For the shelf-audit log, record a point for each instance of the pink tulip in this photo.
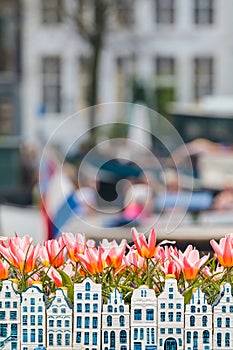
(53, 252)
(224, 250)
(75, 245)
(113, 252)
(4, 270)
(93, 260)
(190, 262)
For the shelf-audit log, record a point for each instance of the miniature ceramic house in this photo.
(87, 315)
(59, 322)
(143, 319)
(33, 317)
(223, 319)
(170, 316)
(198, 322)
(10, 316)
(115, 323)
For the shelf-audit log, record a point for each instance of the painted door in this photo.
(170, 344)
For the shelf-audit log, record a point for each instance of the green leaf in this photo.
(67, 282)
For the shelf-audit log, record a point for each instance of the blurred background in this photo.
(58, 57)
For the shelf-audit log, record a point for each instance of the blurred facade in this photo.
(174, 50)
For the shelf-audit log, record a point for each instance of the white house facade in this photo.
(87, 315)
(59, 322)
(33, 317)
(143, 319)
(10, 316)
(183, 46)
(170, 316)
(198, 322)
(115, 323)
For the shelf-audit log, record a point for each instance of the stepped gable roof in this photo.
(67, 300)
(221, 294)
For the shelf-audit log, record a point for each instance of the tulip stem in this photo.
(147, 272)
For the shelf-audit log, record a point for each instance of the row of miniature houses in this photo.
(28, 321)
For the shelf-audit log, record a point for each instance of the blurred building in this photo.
(174, 49)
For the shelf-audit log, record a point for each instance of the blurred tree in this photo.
(94, 19)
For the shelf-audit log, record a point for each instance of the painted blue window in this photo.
(51, 323)
(162, 305)
(109, 321)
(178, 316)
(227, 322)
(193, 308)
(40, 335)
(32, 317)
(25, 309)
(15, 304)
(67, 323)
(180, 342)
(110, 308)
(79, 307)
(87, 307)
(135, 336)
(25, 335)
(87, 322)
(227, 340)
(105, 337)
(206, 337)
(32, 301)
(115, 309)
(224, 308)
(40, 309)
(7, 304)
(123, 347)
(137, 314)
(152, 335)
(192, 321)
(63, 310)
(121, 308)
(219, 322)
(162, 330)
(59, 339)
(150, 314)
(171, 289)
(227, 299)
(160, 342)
(50, 339)
(2, 315)
(7, 295)
(170, 296)
(59, 323)
(204, 308)
(178, 330)
(228, 290)
(170, 330)
(33, 335)
(162, 316)
(170, 305)
(170, 316)
(3, 330)
(13, 315)
(79, 322)
(86, 338)
(95, 307)
(178, 306)
(94, 338)
(143, 293)
(78, 337)
(95, 322)
(123, 337)
(219, 339)
(79, 296)
(14, 329)
(122, 321)
(54, 310)
(87, 287)
(188, 340)
(204, 321)
(32, 308)
(59, 300)
(87, 296)
(67, 339)
(195, 339)
(141, 333)
(95, 296)
(0, 304)
(112, 339)
(25, 320)
(148, 335)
